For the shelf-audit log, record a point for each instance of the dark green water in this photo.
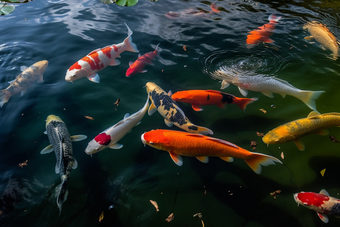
(226, 194)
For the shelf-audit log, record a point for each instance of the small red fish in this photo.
(139, 64)
(263, 33)
(210, 97)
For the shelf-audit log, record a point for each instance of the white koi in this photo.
(99, 59)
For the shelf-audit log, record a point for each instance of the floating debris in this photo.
(116, 103)
(253, 144)
(88, 117)
(199, 215)
(263, 110)
(323, 172)
(259, 134)
(101, 217)
(185, 48)
(282, 155)
(272, 106)
(170, 217)
(111, 207)
(275, 193)
(154, 203)
(333, 139)
(23, 164)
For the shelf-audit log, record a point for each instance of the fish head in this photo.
(52, 118)
(278, 135)
(99, 143)
(150, 86)
(130, 71)
(76, 72)
(155, 139)
(182, 96)
(41, 66)
(311, 200)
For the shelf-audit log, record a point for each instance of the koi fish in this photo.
(266, 85)
(292, 131)
(323, 35)
(194, 145)
(112, 135)
(23, 81)
(262, 34)
(168, 108)
(321, 202)
(61, 144)
(99, 59)
(210, 97)
(139, 64)
(191, 12)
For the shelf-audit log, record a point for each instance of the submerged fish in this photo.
(25, 80)
(168, 108)
(321, 203)
(194, 145)
(265, 84)
(61, 144)
(141, 62)
(112, 135)
(210, 97)
(263, 33)
(192, 12)
(99, 59)
(292, 131)
(323, 35)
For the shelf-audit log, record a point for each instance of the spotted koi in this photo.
(168, 108)
(99, 59)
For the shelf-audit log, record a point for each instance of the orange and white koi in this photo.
(23, 81)
(263, 33)
(210, 97)
(292, 131)
(99, 59)
(194, 145)
(139, 64)
(191, 12)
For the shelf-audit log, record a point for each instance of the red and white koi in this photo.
(112, 135)
(99, 59)
(141, 62)
(321, 202)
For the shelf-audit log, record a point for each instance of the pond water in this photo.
(119, 184)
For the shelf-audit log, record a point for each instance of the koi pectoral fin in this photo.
(203, 159)
(323, 217)
(168, 123)
(309, 38)
(47, 149)
(94, 78)
(176, 158)
(152, 109)
(299, 144)
(224, 84)
(243, 91)
(227, 159)
(77, 138)
(196, 107)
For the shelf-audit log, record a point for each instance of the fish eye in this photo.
(151, 142)
(306, 204)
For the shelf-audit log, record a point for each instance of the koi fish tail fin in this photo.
(273, 18)
(128, 42)
(309, 97)
(62, 192)
(4, 97)
(200, 130)
(244, 102)
(157, 50)
(258, 160)
(214, 8)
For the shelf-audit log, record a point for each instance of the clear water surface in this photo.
(120, 183)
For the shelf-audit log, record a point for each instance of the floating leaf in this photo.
(126, 2)
(101, 217)
(6, 9)
(282, 155)
(170, 217)
(323, 172)
(154, 203)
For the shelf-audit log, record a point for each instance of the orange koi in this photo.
(139, 64)
(179, 143)
(263, 33)
(210, 97)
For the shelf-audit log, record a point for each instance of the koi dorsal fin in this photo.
(324, 192)
(313, 114)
